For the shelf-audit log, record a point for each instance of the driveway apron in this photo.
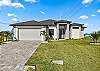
(13, 55)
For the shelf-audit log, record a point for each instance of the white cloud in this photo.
(32, 1)
(11, 4)
(14, 19)
(93, 15)
(98, 11)
(86, 2)
(4, 27)
(11, 15)
(4, 2)
(42, 12)
(17, 5)
(83, 17)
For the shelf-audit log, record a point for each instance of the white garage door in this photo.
(29, 34)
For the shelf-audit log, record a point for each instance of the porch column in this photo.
(80, 33)
(67, 32)
(57, 31)
(43, 29)
(16, 33)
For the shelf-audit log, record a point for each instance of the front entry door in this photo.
(61, 33)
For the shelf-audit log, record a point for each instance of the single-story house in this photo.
(60, 29)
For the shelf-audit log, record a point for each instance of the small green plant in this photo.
(44, 33)
(29, 69)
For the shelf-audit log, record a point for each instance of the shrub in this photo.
(95, 36)
(44, 33)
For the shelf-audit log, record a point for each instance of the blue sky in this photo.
(82, 11)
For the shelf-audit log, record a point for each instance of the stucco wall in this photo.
(67, 32)
(16, 33)
(43, 29)
(75, 33)
(28, 26)
(82, 34)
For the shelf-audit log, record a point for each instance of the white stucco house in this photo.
(60, 29)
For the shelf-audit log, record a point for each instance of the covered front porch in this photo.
(60, 31)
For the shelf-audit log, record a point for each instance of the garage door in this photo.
(29, 34)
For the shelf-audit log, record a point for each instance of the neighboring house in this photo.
(87, 34)
(61, 29)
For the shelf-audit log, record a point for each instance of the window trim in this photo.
(75, 27)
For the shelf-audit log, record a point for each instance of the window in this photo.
(82, 29)
(75, 27)
(51, 31)
(63, 26)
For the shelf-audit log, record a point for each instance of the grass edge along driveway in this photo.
(78, 55)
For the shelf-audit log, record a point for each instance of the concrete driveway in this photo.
(14, 54)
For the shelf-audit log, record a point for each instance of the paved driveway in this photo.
(14, 54)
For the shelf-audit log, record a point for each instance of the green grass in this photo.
(78, 55)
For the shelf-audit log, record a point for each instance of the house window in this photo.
(75, 27)
(63, 26)
(51, 31)
(82, 29)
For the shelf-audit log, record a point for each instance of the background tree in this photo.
(98, 33)
(95, 36)
(0, 37)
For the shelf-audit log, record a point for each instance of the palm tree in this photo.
(95, 36)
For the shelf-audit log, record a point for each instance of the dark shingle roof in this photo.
(35, 23)
(28, 23)
(63, 21)
(48, 22)
(44, 23)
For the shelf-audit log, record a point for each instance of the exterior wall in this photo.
(67, 32)
(28, 26)
(82, 34)
(75, 33)
(15, 33)
(43, 29)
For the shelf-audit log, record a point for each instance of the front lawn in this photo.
(78, 55)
